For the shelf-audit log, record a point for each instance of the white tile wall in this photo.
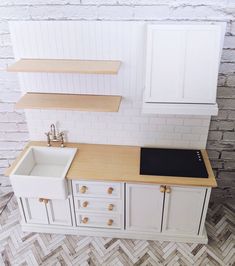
(123, 41)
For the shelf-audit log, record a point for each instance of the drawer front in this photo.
(99, 220)
(97, 205)
(97, 189)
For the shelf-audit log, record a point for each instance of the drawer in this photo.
(97, 189)
(99, 220)
(97, 205)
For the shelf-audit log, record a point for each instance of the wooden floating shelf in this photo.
(81, 102)
(66, 66)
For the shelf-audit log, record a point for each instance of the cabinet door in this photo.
(59, 212)
(143, 207)
(183, 210)
(182, 63)
(35, 211)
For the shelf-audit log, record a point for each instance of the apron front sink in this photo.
(41, 173)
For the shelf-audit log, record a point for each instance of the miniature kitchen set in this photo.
(116, 87)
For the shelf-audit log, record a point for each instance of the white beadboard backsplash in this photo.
(124, 41)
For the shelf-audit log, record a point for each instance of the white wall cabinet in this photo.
(183, 209)
(144, 205)
(182, 64)
(55, 212)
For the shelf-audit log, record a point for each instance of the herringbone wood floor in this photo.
(19, 248)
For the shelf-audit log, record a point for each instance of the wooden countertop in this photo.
(118, 163)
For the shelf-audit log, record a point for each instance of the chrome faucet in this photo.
(53, 137)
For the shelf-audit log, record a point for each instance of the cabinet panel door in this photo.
(35, 211)
(183, 210)
(143, 207)
(164, 66)
(182, 63)
(59, 212)
(201, 65)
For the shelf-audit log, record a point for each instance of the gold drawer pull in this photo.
(110, 190)
(162, 189)
(85, 204)
(168, 190)
(110, 222)
(85, 220)
(45, 201)
(83, 189)
(110, 207)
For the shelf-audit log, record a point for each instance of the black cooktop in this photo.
(172, 162)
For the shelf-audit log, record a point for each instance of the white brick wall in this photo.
(202, 10)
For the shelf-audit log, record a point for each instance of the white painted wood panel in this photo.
(35, 211)
(98, 205)
(201, 65)
(164, 66)
(183, 209)
(87, 40)
(99, 220)
(59, 212)
(97, 189)
(144, 205)
(182, 63)
(124, 41)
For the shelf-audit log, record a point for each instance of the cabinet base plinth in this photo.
(115, 233)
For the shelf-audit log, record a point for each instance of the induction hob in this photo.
(172, 162)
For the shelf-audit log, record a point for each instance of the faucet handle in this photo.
(48, 139)
(62, 139)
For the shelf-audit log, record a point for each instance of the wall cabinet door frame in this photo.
(182, 63)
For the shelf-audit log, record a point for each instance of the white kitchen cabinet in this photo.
(97, 189)
(142, 211)
(59, 212)
(182, 65)
(144, 205)
(55, 212)
(35, 212)
(99, 204)
(183, 210)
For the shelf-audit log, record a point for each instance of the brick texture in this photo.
(221, 141)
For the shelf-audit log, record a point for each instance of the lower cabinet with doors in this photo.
(47, 212)
(171, 210)
(123, 210)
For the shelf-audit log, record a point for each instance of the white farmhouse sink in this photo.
(41, 173)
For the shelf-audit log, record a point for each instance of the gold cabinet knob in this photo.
(85, 220)
(168, 190)
(110, 207)
(162, 189)
(110, 222)
(85, 204)
(83, 189)
(45, 201)
(110, 190)
(40, 199)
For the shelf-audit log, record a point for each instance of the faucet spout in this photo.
(52, 136)
(53, 133)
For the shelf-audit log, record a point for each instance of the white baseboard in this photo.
(202, 239)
